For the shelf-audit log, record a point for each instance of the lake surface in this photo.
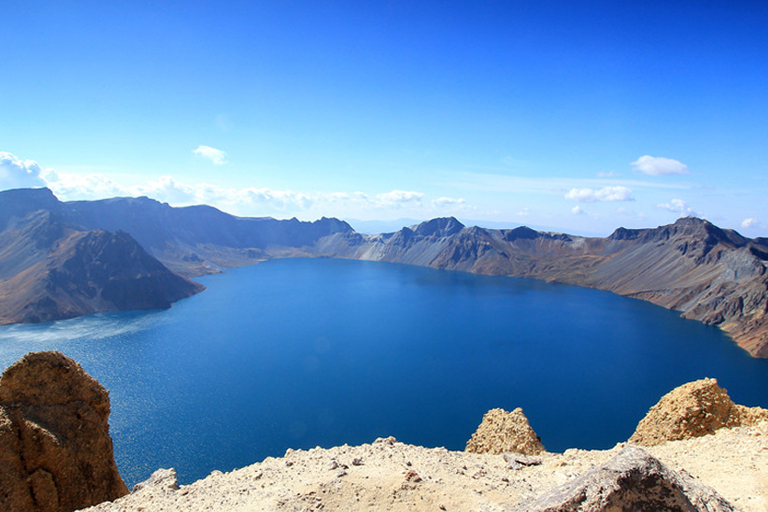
(306, 352)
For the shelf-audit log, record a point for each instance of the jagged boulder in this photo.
(502, 431)
(632, 480)
(55, 450)
(692, 410)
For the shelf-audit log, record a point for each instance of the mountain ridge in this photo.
(51, 269)
(709, 274)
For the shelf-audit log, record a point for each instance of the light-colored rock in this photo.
(160, 479)
(632, 480)
(55, 450)
(502, 431)
(694, 409)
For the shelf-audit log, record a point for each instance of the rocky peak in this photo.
(21, 202)
(331, 225)
(440, 227)
(691, 228)
(55, 451)
(520, 233)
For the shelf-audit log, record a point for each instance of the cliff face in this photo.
(55, 450)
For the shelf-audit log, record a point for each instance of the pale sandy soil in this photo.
(392, 476)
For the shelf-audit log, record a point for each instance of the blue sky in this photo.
(576, 116)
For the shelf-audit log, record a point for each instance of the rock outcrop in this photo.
(692, 410)
(632, 480)
(502, 431)
(55, 450)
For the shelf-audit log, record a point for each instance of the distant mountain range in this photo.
(64, 259)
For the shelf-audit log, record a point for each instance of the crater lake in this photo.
(299, 353)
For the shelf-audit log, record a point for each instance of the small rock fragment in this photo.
(412, 476)
(518, 460)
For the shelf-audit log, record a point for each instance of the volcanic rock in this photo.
(502, 431)
(694, 409)
(55, 450)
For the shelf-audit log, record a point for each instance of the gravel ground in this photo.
(391, 476)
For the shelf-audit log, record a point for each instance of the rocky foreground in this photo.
(392, 476)
(694, 451)
(705, 453)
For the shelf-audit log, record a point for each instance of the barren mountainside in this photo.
(709, 274)
(712, 275)
(50, 270)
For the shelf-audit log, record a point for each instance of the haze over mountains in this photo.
(59, 260)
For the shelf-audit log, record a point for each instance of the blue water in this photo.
(305, 352)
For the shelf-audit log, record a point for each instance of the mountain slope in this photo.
(197, 240)
(51, 270)
(712, 275)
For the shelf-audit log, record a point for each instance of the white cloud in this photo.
(589, 195)
(15, 173)
(677, 206)
(399, 198)
(749, 223)
(448, 201)
(217, 156)
(90, 186)
(659, 166)
(169, 190)
(608, 174)
(239, 201)
(577, 210)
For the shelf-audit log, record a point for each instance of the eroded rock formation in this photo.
(692, 410)
(502, 431)
(55, 450)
